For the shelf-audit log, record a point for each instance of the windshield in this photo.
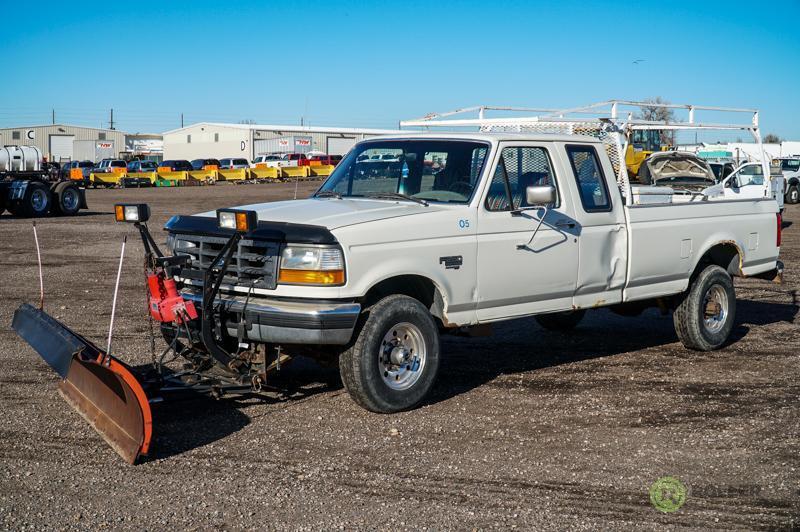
(433, 170)
(792, 165)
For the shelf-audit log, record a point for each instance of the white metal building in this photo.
(218, 141)
(61, 142)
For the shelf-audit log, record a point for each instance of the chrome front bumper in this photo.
(286, 322)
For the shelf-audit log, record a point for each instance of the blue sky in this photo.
(370, 64)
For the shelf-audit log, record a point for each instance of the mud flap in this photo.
(102, 389)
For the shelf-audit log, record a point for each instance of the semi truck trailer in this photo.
(28, 190)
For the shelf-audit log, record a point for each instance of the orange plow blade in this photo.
(101, 388)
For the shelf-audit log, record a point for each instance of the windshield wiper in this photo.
(328, 194)
(395, 195)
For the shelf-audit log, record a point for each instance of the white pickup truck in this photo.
(459, 230)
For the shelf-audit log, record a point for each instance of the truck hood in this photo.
(679, 168)
(332, 213)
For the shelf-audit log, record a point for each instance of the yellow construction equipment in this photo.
(264, 173)
(321, 170)
(295, 171)
(105, 179)
(643, 143)
(237, 174)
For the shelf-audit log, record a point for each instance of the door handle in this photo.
(565, 223)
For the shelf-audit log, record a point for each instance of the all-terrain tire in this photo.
(704, 318)
(395, 327)
(561, 321)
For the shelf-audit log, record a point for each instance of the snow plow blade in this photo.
(101, 388)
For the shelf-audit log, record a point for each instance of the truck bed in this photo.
(666, 241)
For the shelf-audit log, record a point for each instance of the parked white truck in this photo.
(438, 234)
(455, 231)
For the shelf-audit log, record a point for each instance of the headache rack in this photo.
(612, 122)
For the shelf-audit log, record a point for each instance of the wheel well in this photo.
(420, 288)
(725, 255)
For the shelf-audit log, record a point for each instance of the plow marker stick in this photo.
(39, 260)
(114, 302)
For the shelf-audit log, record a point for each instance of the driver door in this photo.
(747, 182)
(520, 273)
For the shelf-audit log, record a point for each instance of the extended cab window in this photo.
(589, 176)
(517, 169)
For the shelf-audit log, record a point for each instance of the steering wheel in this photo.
(460, 187)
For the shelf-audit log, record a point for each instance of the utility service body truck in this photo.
(453, 231)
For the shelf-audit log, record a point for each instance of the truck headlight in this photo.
(314, 265)
(238, 220)
(131, 212)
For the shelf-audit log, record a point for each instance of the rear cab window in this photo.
(589, 176)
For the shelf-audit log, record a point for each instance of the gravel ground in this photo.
(526, 429)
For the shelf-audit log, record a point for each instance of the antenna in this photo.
(39, 260)
(107, 358)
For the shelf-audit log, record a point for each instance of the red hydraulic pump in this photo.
(166, 303)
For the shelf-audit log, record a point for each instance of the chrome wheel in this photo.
(715, 308)
(402, 356)
(69, 199)
(39, 200)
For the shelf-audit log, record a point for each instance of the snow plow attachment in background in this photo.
(101, 388)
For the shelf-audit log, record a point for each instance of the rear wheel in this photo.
(793, 195)
(704, 318)
(561, 321)
(36, 202)
(68, 199)
(395, 358)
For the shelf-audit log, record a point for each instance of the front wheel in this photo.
(704, 318)
(392, 364)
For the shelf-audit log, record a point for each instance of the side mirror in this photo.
(540, 195)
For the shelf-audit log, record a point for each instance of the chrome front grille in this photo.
(254, 263)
